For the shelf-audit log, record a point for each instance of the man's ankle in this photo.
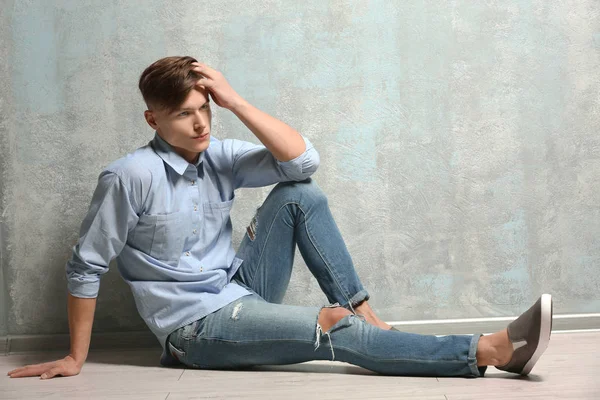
(494, 349)
(367, 312)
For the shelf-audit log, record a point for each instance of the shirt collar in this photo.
(169, 156)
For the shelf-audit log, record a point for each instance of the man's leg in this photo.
(390, 352)
(251, 331)
(298, 213)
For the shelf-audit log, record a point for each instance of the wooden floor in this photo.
(568, 370)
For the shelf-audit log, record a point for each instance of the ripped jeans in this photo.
(258, 330)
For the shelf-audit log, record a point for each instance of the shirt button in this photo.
(201, 269)
(194, 231)
(195, 208)
(187, 253)
(193, 183)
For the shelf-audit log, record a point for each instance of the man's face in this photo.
(184, 127)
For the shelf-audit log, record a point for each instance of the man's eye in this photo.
(183, 114)
(206, 106)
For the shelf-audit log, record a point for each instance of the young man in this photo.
(163, 212)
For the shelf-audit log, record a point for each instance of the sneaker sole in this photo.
(545, 331)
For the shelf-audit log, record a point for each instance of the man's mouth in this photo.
(204, 136)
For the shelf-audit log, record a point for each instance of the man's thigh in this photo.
(267, 250)
(251, 331)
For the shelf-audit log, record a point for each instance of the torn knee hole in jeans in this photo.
(348, 307)
(319, 333)
(319, 329)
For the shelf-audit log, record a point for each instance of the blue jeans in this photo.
(258, 330)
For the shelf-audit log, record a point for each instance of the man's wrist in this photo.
(238, 106)
(79, 360)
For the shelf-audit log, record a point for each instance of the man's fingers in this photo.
(52, 373)
(30, 370)
(20, 370)
(14, 371)
(204, 80)
(199, 70)
(204, 70)
(204, 83)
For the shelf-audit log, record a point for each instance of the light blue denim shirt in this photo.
(167, 223)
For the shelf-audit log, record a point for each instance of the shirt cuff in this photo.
(304, 165)
(83, 289)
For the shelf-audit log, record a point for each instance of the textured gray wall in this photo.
(459, 140)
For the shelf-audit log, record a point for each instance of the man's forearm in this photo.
(284, 142)
(81, 319)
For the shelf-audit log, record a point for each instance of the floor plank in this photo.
(567, 370)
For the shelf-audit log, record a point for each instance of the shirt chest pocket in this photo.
(216, 218)
(162, 236)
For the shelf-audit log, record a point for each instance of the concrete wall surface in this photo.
(459, 141)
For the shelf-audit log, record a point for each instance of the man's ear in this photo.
(149, 115)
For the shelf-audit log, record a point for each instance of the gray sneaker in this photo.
(529, 335)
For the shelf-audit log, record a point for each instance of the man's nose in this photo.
(200, 121)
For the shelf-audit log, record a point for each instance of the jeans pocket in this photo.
(176, 352)
(179, 341)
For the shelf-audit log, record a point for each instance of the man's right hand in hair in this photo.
(220, 90)
(65, 367)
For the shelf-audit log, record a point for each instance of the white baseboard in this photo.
(560, 323)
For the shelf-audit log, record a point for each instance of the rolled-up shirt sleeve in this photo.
(255, 166)
(103, 233)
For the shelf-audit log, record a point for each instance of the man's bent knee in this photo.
(308, 188)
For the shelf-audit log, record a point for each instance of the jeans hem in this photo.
(358, 298)
(472, 357)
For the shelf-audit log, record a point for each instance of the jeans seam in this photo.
(396, 359)
(262, 251)
(312, 241)
(252, 341)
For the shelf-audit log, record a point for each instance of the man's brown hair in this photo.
(166, 83)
